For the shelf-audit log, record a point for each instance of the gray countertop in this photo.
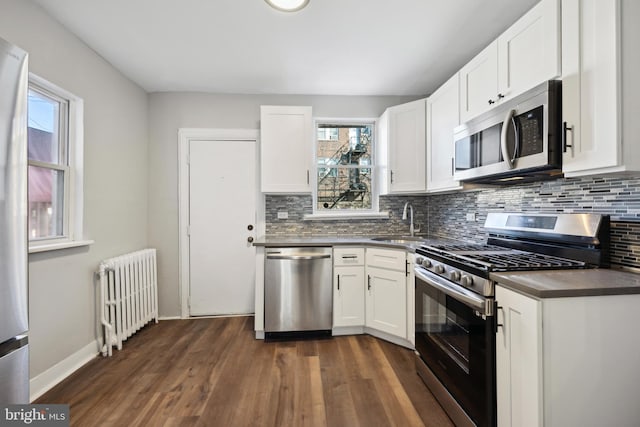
(539, 284)
(570, 283)
(280, 242)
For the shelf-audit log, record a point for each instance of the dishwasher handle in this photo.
(298, 257)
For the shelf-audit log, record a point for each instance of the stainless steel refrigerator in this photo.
(14, 348)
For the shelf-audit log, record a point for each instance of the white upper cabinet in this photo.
(443, 116)
(529, 51)
(286, 141)
(526, 54)
(601, 65)
(401, 148)
(479, 83)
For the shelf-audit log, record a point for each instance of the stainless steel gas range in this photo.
(455, 299)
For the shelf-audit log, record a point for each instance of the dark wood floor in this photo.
(212, 372)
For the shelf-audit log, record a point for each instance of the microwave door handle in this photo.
(516, 134)
(503, 139)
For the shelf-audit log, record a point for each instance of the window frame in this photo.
(373, 212)
(71, 163)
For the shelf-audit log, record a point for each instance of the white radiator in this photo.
(129, 296)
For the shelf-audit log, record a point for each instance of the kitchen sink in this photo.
(401, 240)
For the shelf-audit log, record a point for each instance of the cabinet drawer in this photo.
(348, 256)
(387, 258)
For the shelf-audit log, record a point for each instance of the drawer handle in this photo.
(349, 256)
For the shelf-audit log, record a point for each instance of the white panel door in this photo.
(518, 356)
(479, 83)
(286, 141)
(443, 115)
(222, 206)
(348, 296)
(386, 301)
(529, 51)
(407, 147)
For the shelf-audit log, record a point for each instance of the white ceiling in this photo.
(332, 47)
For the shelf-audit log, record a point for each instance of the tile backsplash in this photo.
(445, 215)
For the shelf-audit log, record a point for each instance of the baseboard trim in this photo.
(43, 382)
(347, 330)
(169, 318)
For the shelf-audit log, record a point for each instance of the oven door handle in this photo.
(461, 294)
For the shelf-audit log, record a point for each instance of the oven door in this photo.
(455, 337)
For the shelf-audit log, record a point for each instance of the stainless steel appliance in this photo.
(298, 291)
(520, 140)
(14, 348)
(455, 305)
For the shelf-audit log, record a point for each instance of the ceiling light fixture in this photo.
(288, 5)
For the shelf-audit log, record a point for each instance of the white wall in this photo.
(61, 287)
(170, 111)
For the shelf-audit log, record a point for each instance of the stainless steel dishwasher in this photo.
(298, 291)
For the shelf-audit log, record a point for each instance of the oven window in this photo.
(445, 328)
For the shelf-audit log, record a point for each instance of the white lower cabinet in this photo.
(386, 291)
(518, 346)
(348, 287)
(568, 361)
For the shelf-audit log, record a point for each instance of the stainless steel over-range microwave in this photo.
(519, 140)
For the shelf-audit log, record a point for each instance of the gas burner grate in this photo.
(466, 247)
(525, 261)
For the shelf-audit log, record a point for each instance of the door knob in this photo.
(249, 227)
(250, 239)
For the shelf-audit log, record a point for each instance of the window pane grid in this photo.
(344, 167)
(48, 138)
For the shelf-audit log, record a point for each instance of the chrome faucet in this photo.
(404, 217)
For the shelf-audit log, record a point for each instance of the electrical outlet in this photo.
(471, 216)
(283, 214)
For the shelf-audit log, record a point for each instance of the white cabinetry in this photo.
(386, 294)
(348, 287)
(600, 67)
(401, 148)
(567, 361)
(443, 116)
(286, 136)
(525, 55)
(479, 83)
(518, 358)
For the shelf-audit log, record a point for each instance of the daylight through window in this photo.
(344, 165)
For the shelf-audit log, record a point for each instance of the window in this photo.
(344, 167)
(54, 135)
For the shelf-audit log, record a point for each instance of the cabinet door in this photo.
(479, 83)
(443, 116)
(529, 51)
(286, 149)
(590, 86)
(518, 360)
(386, 301)
(407, 147)
(348, 296)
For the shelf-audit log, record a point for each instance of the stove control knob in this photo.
(466, 280)
(455, 275)
(426, 263)
(419, 260)
(439, 269)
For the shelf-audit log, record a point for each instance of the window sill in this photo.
(345, 215)
(59, 245)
